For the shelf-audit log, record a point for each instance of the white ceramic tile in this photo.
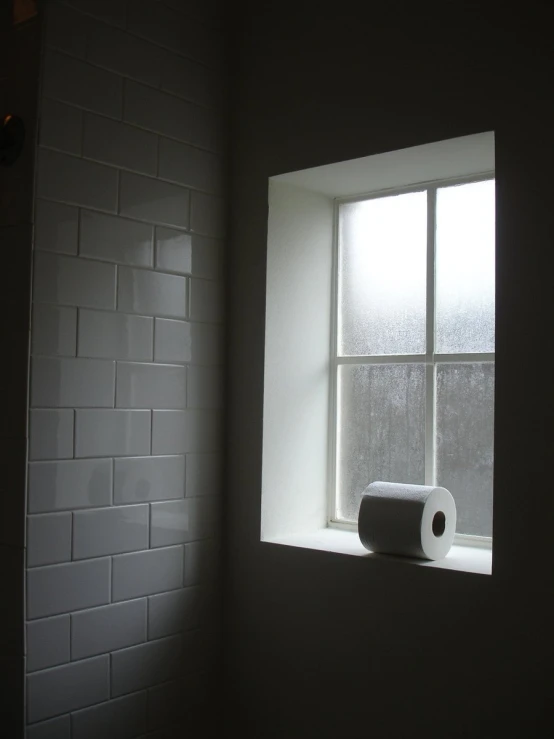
(176, 31)
(146, 573)
(76, 181)
(115, 335)
(115, 239)
(181, 521)
(51, 435)
(67, 587)
(150, 385)
(190, 166)
(56, 728)
(204, 387)
(137, 668)
(203, 475)
(201, 562)
(207, 344)
(47, 643)
(110, 531)
(117, 143)
(206, 301)
(173, 250)
(207, 214)
(189, 80)
(152, 293)
(108, 628)
(73, 81)
(126, 55)
(56, 227)
(170, 432)
(66, 30)
(54, 330)
(171, 523)
(64, 689)
(172, 341)
(175, 432)
(141, 479)
(73, 281)
(147, 199)
(122, 718)
(82, 483)
(101, 433)
(207, 257)
(60, 382)
(48, 539)
(61, 126)
(168, 115)
(171, 613)
(109, 11)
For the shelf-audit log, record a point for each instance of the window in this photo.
(413, 346)
(379, 340)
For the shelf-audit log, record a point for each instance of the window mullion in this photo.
(430, 411)
(332, 492)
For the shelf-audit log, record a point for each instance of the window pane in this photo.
(381, 429)
(465, 268)
(382, 275)
(465, 435)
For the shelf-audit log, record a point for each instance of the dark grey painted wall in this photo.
(322, 645)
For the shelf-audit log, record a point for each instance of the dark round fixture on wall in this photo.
(12, 137)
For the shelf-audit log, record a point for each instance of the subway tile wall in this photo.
(124, 476)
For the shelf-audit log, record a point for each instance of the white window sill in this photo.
(463, 558)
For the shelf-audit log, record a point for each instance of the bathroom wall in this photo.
(326, 645)
(19, 66)
(124, 474)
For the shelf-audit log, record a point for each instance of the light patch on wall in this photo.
(23, 10)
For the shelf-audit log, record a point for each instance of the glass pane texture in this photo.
(465, 264)
(382, 275)
(465, 441)
(381, 429)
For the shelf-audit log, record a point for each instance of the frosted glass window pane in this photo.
(465, 436)
(465, 240)
(382, 275)
(381, 429)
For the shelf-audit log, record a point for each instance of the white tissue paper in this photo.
(411, 520)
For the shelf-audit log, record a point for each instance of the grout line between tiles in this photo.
(203, 65)
(221, 238)
(118, 192)
(112, 487)
(74, 436)
(82, 132)
(158, 155)
(217, 152)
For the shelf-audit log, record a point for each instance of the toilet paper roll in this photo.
(411, 520)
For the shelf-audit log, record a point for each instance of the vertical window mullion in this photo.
(334, 372)
(430, 411)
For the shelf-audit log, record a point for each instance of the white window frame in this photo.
(430, 358)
